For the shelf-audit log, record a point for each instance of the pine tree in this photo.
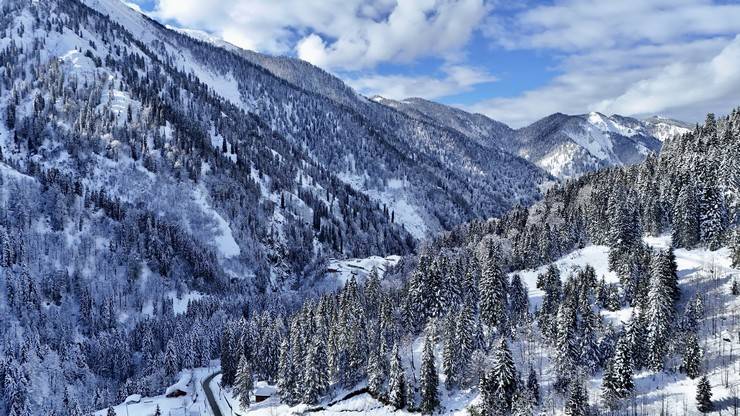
(565, 345)
(686, 218)
(704, 395)
(551, 285)
(451, 355)
(397, 395)
(518, 301)
(171, 365)
(492, 288)
(713, 216)
(315, 378)
(533, 386)
(111, 412)
(157, 411)
(429, 378)
(287, 377)
(375, 377)
(244, 382)
(692, 357)
(617, 382)
(465, 339)
(499, 385)
(577, 403)
(659, 318)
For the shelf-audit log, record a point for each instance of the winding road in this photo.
(215, 409)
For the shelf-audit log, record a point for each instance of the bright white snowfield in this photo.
(700, 271)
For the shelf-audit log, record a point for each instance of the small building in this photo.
(263, 392)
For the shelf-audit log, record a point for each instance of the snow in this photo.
(225, 241)
(343, 270)
(395, 197)
(193, 403)
(700, 271)
(596, 256)
(184, 384)
(180, 303)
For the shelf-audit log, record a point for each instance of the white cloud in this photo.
(457, 79)
(335, 34)
(675, 57)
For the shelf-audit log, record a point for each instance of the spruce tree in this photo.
(429, 378)
(686, 218)
(502, 376)
(375, 377)
(617, 381)
(244, 382)
(518, 301)
(533, 386)
(692, 357)
(157, 411)
(577, 403)
(397, 395)
(111, 412)
(659, 318)
(493, 293)
(704, 395)
(451, 355)
(315, 377)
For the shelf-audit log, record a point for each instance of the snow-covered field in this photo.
(343, 270)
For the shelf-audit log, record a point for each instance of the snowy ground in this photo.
(192, 404)
(395, 197)
(343, 270)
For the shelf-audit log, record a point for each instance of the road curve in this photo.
(215, 409)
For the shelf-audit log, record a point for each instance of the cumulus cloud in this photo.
(675, 57)
(335, 34)
(456, 79)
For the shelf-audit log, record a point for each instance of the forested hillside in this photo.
(461, 302)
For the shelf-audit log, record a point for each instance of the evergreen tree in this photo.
(315, 378)
(397, 395)
(577, 403)
(692, 357)
(244, 382)
(465, 339)
(375, 374)
(533, 386)
(686, 218)
(499, 385)
(659, 318)
(111, 412)
(518, 301)
(617, 380)
(551, 285)
(704, 395)
(565, 345)
(171, 365)
(429, 378)
(451, 355)
(493, 292)
(157, 411)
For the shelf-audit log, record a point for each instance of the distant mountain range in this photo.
(563, 145)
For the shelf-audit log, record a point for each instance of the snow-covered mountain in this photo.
(664, 128)
(563, 145)
(484, 130)
(568, 146)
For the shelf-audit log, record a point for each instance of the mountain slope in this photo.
(485, 131)
(568, 146)
(450, 177)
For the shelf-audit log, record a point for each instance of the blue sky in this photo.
(513, 61)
